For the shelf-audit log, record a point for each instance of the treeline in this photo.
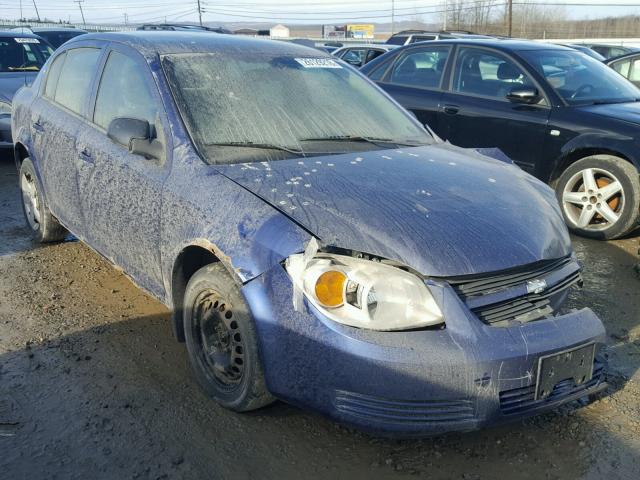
(535, 21)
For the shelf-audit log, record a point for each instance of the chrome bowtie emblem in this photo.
(536, 286)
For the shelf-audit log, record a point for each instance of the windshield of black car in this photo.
(580, 79)
(315, 106)
(22, 54)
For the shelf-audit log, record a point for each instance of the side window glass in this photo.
(354, 57)
(422, 38)
(422, 67)
(373, 54)
(123, 92)
(487, 74)
(54, 75)
(74, 83)
(622, 67)
(634, 75)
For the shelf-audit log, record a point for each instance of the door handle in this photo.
(85, 156)
(38, 128)
(450, 109)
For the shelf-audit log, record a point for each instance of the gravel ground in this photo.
(92, 385)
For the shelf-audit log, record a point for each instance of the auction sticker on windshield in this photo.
(318, 63)
(26, 40)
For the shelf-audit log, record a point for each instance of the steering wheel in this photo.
(582, 89)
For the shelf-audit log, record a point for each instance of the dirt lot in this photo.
(92, 385)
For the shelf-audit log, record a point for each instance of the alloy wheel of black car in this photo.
(222, 341)
(44, 226)
(600, 197)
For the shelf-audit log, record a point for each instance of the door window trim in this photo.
(391, 65)
(520, 65)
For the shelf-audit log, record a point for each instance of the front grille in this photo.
(404, 411)
(477, 285)
(500, 298)
(532, 306)
(520, 400)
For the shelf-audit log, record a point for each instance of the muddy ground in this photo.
(92, 385)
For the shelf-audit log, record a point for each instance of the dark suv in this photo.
(559, 114)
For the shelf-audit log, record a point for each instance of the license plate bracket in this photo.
(575, 363)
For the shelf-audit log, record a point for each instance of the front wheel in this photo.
(600, 197)
(222, 341)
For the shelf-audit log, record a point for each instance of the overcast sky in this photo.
(275, 11)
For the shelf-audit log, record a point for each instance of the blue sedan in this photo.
(315, 243)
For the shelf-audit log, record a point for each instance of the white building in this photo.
(279, 31)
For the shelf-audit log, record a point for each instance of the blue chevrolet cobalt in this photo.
(315, 243)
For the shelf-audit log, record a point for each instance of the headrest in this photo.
(508, 71)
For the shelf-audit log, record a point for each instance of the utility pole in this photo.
(79, 2)
(37, 12)
(200, 12)
(393, 16)
(446, 15)
(509, 17)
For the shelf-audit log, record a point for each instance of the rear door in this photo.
(415, 81)
(56, 119)
(122, 192)
(475, 112)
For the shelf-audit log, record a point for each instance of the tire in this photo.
(43, 225)
(222, 341)
(608, 210)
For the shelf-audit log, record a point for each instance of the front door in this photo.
(476, 111)
(122, 192)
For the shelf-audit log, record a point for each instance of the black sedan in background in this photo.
(559, 114)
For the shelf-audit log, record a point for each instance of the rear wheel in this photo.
(222, 341)
(600, 197)
(44, 226)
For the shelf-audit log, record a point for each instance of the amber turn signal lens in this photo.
(330, 288)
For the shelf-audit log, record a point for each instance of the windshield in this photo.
(281, 106)
(580, 79)
(22, 54)
(58, 38)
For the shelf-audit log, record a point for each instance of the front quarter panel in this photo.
(203, 207)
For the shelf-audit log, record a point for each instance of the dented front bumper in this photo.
(414, 383)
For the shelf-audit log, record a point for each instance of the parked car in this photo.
(406, 37)
(21, 56)
(358, 55)
(54, 36)
(182, 27)
(587, 51)
(353, 265)
(559, 114)
(628, 66)
(609, 51)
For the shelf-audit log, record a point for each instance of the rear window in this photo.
(74, 83)
(23, 54)
(397, 40)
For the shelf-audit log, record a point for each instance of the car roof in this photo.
(609, 61)
(162, 42)
(61, 29)
(505, 44)
(17, 34)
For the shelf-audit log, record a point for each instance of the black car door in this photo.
(475, 112)
(415, 81)
(56, 119)
(121, 191)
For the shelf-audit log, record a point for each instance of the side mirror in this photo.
(136, 135)
(525, 95)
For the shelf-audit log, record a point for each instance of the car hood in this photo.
(11, 82)
(439, 209)
(629, 112)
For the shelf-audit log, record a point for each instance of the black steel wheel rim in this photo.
(217, 333)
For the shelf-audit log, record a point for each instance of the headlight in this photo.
(364, 293)
(5, 108)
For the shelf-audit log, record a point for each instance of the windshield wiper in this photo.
(265, 146)
(358, 138)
